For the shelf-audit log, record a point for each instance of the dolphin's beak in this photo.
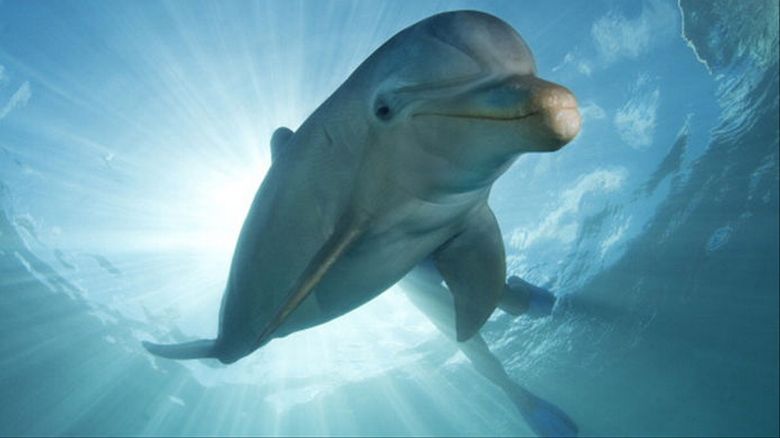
(556, 106)
(546, 112)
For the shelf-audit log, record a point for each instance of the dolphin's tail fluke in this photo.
(203, 348)
(545, 418)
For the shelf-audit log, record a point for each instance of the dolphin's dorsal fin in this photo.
(473, 265)
(280, 137)
(318, 266)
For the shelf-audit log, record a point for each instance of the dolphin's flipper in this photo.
(279, 138)
(541, 301)
(522, 297)
(325, 258)
(543, 417)
(203, 348)
(473, 265)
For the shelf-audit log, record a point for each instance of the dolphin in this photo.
(394, 168)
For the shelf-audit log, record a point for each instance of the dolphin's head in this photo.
(463, 84)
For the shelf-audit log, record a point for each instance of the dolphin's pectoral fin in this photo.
(279, 138)
(473, 265)
(522, 297)
(203, 348)
(318, 266)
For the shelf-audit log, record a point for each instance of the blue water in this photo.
(134, 134)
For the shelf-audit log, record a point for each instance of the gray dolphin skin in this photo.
(392, 169)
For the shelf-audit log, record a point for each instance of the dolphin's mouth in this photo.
(559, 123)
(497, 118)
(551, 109)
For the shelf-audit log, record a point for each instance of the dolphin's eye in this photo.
(383, 112)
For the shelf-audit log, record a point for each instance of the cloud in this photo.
(582, 66)
(562, 224)
(635, 120)
(591, 111)
(616, 36)
(576, 60)
(617, 234)
(17, 100)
